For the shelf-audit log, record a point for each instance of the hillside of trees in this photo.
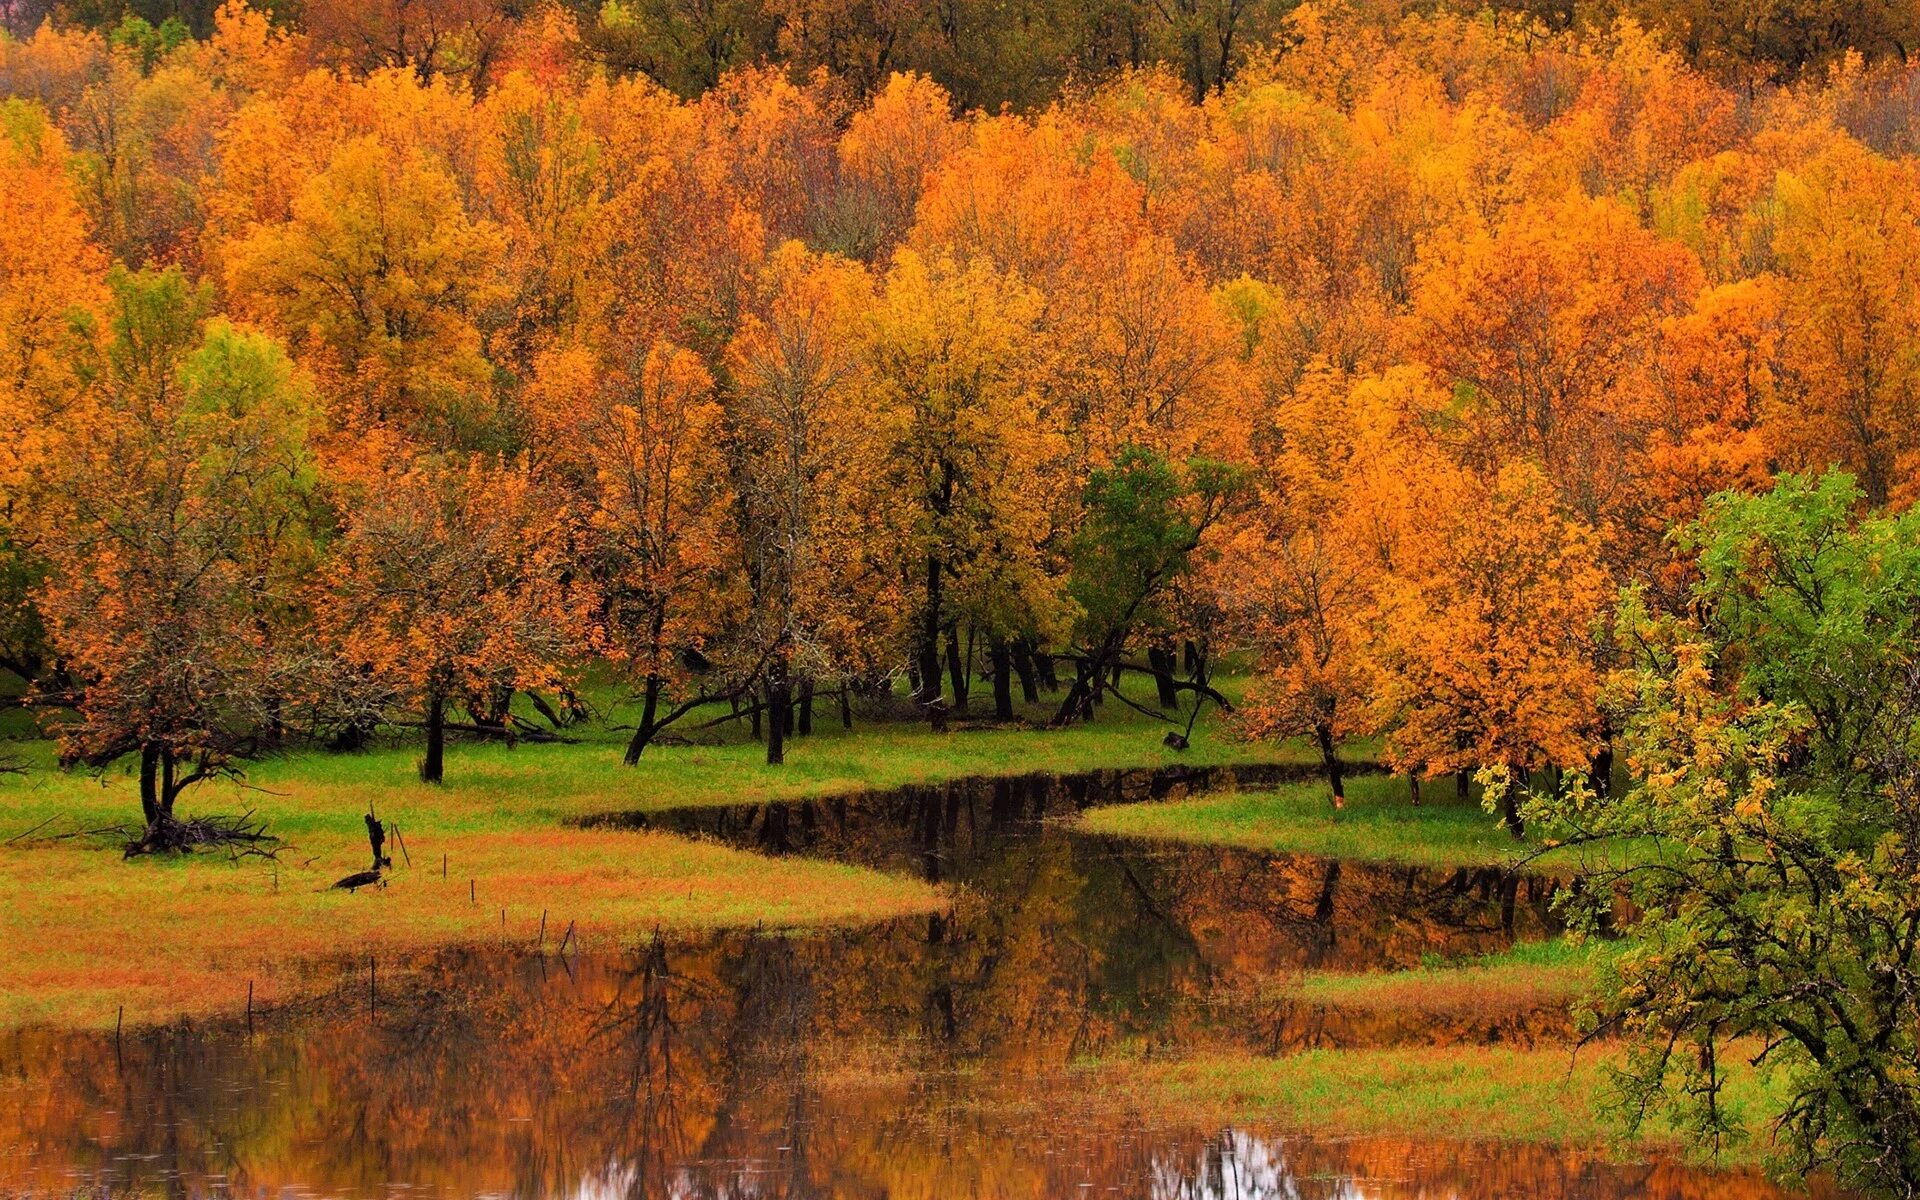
(986, 55)
(345, 393)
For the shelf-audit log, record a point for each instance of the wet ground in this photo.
(931, 1057)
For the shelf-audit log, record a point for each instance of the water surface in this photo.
(927, 1057)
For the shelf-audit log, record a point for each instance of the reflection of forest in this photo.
(918, 1058)
(736, 1067)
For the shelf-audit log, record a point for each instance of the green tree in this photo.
(1144, 519)
(1776, 874)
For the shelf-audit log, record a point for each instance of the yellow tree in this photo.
(143, 136)
(1849, 242)
(543, 176)
(379, 277)
(948, 353)
(1481, 650)
(888, 151)
(804, 457)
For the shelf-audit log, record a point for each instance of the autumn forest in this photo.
(1519, 404)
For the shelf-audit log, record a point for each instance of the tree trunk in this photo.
(643, 734)
(929, 648)
(779, 711)
(150, 784)
(1462, 782)
(1089, 675)
(846, 704)
(1330, 759)
(1413, 787)
(1023, 666)
(1602, 772)
(957, 670)
(805, 726)
(1076, 704)
(433, 766)
(1160, 658)
(1197, 655)
(1510, 802)
(1001, 657)
(1049, 673)
(546, 710)
(754, 716)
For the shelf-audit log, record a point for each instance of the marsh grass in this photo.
(1526, 976)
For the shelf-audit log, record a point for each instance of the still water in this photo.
(930, 1057)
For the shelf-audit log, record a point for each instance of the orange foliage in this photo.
(1481, 645)
(811, 373)
(450, 584)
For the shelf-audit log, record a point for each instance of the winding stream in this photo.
(929, 1057)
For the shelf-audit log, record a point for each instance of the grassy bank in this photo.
(1456, 1093)
(1379, 823)
(1524, 976)
(83, 933)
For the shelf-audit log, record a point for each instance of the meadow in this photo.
(90, 940)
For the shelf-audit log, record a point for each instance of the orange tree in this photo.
(52, 291)
(636, 435)
(450, 581)
(1297, 575)
(1481, 642)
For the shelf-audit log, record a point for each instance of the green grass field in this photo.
(84, 934)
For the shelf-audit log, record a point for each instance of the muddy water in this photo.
(930, 1057)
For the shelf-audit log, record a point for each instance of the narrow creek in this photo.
(928, 1057)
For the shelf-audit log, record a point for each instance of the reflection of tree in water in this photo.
(1236, 1164)
(638, 1029)
(848, 1062)
(701, 1067)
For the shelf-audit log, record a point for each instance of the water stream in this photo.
(928, 1057)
